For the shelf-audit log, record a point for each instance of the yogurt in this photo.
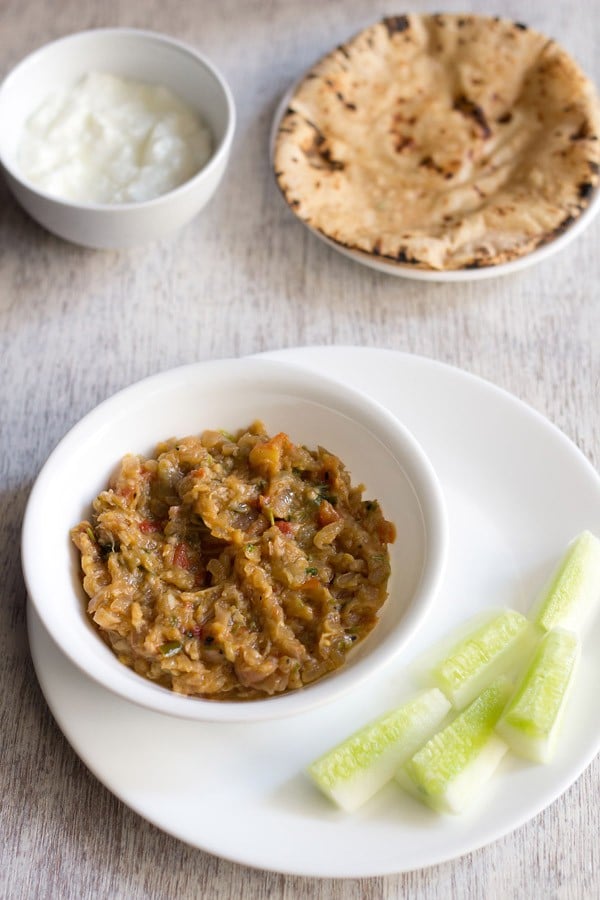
(112, 140)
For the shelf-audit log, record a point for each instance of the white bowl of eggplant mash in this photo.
(236, 540)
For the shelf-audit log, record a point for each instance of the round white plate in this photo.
(517, 491)
(407, 271)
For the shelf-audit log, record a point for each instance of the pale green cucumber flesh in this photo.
(574, 590)
(358, 767)
(466, 787)
(482, 656)
(531, 720)
(449, 753)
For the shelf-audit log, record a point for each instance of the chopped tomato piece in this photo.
(285, 527)
(266, 457)
(311, 584)
(150, 525)
(327, 513)
(180, 557)
(386, 532)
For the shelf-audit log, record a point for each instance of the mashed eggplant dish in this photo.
(234, 567)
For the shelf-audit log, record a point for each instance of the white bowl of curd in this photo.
(115, 137)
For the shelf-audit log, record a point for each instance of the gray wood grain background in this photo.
(77, 325)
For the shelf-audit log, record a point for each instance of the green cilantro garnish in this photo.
(170, 648)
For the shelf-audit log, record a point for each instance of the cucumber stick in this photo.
(450, 769)
(530, 724)
(356, 769)
(486, 652)
(447, 768)
(574, 591)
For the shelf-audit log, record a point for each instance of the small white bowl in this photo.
(129, 53)
(230, 394)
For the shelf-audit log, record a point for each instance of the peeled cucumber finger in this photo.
(574, 592)
(530, 724)
(486, 652)
(463, 789)
(449, 771)
(351, 773)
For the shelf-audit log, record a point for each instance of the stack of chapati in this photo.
(441, 142)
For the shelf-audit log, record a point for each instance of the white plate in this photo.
(408, 271)
(517, 491)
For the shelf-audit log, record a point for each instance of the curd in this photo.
(113, 140)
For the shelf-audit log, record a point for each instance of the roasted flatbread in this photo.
(441, 142)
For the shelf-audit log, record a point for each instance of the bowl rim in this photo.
(350, 402)
(220, 152)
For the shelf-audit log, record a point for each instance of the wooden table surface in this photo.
(77, 325)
